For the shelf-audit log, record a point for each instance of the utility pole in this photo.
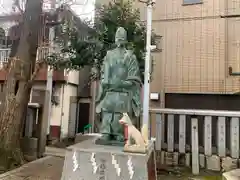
(149, 47)
(50, 71)
(46, 115)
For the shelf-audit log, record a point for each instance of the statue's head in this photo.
(121, 37)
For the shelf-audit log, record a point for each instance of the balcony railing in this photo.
(42, 53)
(4, 54)
(197, 138)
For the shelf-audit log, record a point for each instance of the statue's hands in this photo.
(117, 85)
(114, 86)
(121, 84)
(105, 85)
(126, 83)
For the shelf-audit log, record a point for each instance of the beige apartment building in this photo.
(200, 59)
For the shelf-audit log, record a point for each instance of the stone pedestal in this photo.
(232, 175)
(88, 161)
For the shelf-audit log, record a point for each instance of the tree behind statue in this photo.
(91, 50)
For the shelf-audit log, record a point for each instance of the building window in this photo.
(189, 2)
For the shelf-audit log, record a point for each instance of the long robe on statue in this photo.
(119, 91)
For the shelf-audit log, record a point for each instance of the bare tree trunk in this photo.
(18, 88)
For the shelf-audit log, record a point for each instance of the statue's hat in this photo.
(121, 34)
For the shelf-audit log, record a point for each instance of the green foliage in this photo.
(91, 50)
(110, 17)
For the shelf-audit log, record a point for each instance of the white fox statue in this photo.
(140, 138)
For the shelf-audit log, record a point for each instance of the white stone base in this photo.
(232, 175)
(89, 161)
(229, 164)
(213, 162)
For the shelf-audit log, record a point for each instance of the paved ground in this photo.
(48, 168)
(52, 151)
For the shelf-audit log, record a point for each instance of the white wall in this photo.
(73, 77)
(69, 90)
(57, 109)
(60, 112)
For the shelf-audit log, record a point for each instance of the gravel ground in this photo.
(178, 173)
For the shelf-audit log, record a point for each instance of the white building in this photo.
(72, 103)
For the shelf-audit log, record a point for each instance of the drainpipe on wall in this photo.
(78, 102)
(31, 92)
(62, 113)
(93, 111)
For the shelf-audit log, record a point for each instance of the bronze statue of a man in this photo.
(119, 90)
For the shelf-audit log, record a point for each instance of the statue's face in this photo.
(120, 42)
(121, 37)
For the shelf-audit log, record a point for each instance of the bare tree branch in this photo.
(38, 66)
(17, 4)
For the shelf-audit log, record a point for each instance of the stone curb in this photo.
(24, 166)
(55, 154)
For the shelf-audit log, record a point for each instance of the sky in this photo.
(83, 8)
